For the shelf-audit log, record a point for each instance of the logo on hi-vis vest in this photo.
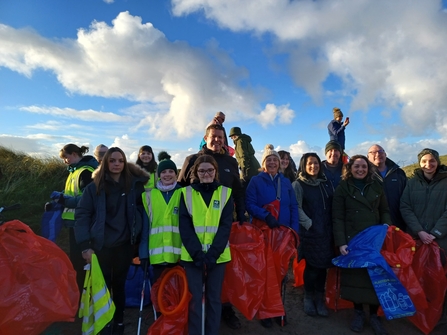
(175, 211)
(216, 204)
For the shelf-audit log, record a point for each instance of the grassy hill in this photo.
(410, 168)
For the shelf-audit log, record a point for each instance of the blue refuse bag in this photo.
(134, 285)
(51, 222)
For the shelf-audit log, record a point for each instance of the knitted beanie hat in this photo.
(428, 151)
(332, 145)
(337, 112)
(164, 162)
(269, 151)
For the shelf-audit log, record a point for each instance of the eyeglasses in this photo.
(203, 172)
(378, 152)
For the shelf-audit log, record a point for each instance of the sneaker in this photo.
(230, 317)
(267, 323)
(377, 325)
(358, 321)
(279, 321)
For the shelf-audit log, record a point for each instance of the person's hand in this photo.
(346, 122)
(61, 199)
(271, 221)
(241, 219)
(87, 255)
(344, 249)
(144, 262)
(209, 263)
(425, 237)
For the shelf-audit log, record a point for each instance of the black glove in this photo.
(144, 262)
(271, 221)
(61, 200)
(209, 263)
(241, 218)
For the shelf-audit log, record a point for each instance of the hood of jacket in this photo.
(244, 137)
(310, 181)
(85, 161)
(441, 174)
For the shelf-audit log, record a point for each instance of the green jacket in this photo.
(245, 156)
(353, 212)
(424, 205)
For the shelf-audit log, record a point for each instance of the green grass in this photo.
(409, 169)
(28, 181)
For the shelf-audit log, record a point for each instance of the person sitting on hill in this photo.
(336, 128)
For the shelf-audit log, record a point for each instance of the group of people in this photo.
(185, 217)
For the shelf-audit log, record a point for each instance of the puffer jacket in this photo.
(424, 205)
(245, 156)
(314, 198)
(90, 214)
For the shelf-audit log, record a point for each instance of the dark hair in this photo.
(103, 170)
(289, 172)
(303, 163)
(152, 166)
(204, 159)
(214, 126)
(346, 174)
(72, 148)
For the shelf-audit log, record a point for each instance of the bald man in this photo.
(393, 180)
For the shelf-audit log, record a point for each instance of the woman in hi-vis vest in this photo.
(109, 218)
(80, 170)
(206, 215)
(160, 238)
(146, 161)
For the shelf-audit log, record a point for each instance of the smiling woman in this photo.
(359, 202)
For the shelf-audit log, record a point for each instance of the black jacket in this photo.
(393, 184)
(228, 176)
(90, 214)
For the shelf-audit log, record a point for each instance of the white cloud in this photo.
(133, 60)
(390, 53)
(84, 115)
(272, 113)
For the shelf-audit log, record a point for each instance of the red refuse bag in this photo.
(333, 300)
(280, 246)
(298, 271)
(244, 282)
(170, 296)
(38, 283)
(431, 275)
(398, 250)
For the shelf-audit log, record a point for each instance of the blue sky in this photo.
(137, 72)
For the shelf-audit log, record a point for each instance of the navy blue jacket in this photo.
(336, 132)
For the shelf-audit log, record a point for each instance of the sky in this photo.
(129, 73)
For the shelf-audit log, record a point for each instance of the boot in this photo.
(376, 325)
(358, 321)
(309, 305)
(320, 302)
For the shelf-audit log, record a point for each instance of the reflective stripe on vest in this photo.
(97, 307)
(206, 219)
(72, 189)
(164, 236)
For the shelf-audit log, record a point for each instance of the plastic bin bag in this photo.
(333, 300)
(38, 283)
(244, 282)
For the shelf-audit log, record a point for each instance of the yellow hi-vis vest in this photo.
(72, 189)
(164, 237)
(151, 182)
(97, 307)
(206, 219)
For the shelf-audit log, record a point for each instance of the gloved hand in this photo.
(48, 206)
(56, 195)
(241, 218)
(209, 263)
(61, 199)
(271, 221)
(144, 262)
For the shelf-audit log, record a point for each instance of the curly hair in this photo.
(346, 174)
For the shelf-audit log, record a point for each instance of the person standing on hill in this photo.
(393, 180)
(336, 128)
(109, 219)
(80, 170)
(245, 155)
